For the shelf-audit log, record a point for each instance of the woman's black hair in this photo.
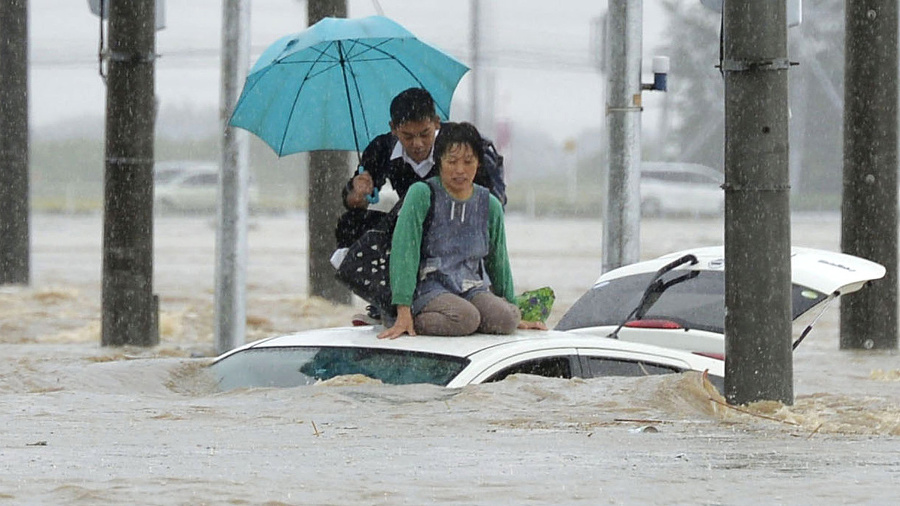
(457, 133)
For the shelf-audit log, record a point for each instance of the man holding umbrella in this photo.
(292, 100)
(404, 156)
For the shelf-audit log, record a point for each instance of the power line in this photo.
(209, 58)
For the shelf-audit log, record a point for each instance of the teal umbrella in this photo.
(330, 86)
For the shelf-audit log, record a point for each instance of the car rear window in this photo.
(693, 299)
(305, 365)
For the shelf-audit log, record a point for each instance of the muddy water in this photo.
(90, 425)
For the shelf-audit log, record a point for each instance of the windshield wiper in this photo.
(655, 288)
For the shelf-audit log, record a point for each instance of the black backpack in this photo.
(365, 268)
(491, 172)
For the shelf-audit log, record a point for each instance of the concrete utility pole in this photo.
(130, 310)
(231, 232)
(758, 363)
(869, 207)
(14, 202)
(328, 173)
(622, 219)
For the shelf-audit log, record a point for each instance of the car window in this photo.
(668, 177)
(655, 176)
(211, 179)
(702, 179)
(305, 365)
(605, 366)
(599, 367)
(165, 175)
(549, 367)
(680, 177)
(693, 301)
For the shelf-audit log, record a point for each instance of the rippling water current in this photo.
(84, 424)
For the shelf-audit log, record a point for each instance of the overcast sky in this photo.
(538, 54)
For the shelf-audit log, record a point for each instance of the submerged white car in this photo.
(308, 357)
(678, 300)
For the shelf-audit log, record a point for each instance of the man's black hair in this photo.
(451, 134)
(414, 104)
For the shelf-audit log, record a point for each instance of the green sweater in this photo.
(406, 247)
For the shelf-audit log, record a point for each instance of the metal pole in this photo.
(758, 363)
(869, 207)
(474, 47)
(129, 306)
(14, 202)
(622, 219)
(231, 231)
(328, 172)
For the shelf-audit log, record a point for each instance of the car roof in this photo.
(821, 270)
(465, 346)
(366, 336)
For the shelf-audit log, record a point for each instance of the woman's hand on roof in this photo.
(403, 325)
(527, 325)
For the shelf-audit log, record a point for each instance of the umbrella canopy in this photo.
(330, 86)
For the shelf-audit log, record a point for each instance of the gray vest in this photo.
(454, 246)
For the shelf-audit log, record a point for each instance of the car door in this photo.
(704, 191)
(198, 191)
(601, 364)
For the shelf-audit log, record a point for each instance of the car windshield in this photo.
(694, 301)
(305, 365)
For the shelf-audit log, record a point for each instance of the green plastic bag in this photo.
(535, 305)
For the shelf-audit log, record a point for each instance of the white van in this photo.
(681, 188)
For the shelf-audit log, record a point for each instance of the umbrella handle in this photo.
(373, 197)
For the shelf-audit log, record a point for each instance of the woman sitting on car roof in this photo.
(450, 273)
